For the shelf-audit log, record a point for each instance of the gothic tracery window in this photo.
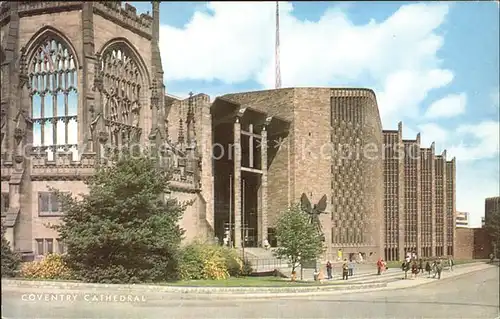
(122, 90)
(54, 98)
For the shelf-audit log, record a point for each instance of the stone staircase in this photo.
(263, 260)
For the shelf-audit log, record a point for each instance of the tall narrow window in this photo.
(122, 91)
(4, 202)
(50, 245)
(39, 247)
(53, 78)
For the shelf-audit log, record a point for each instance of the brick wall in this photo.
(472, 243)
(464, 246)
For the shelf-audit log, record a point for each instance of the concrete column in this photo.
(237, 183)
(419, 199)
(263, 223)
(433, 202)
(401, 200)
(454, 207)
(445, 207)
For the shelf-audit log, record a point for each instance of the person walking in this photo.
(405, 267)
(451, 263)
(439, 268)
(428, 268)
(421, 266)
(329, 269)
(345, 270)
(414, 269)
(380, 264)
(351, 268)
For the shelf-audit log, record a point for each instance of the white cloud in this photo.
(483, 141)
(449, 106)
(432, 132)
(235, 43)
(466, 142)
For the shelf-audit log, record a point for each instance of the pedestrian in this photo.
(351, 267)
(451, 263)
(345, 270)
(329, 269)
(380, 264)
(414, 269)
(439, 268)
(405, 267)
(428, 268)
(434, 268)
(492, 257)
(421, 265)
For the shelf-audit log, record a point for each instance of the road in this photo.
(475, 295)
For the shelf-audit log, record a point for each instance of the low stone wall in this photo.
(62, 285)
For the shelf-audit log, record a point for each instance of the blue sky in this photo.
(433, 65)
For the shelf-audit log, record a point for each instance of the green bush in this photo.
(191, 262)
(234, 264)
(205, 261)
(10, 259)
(123, 231)
(52, 266)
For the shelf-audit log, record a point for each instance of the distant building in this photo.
(472, 243)
(462, 220)
(419, 198)
(491, 206)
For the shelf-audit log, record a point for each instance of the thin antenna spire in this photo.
(277, 49)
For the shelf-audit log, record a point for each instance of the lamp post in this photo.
(243, 218)
(230, 211)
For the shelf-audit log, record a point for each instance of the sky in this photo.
(433, 65)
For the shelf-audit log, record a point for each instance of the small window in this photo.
(50, 246)
(48, 204)
(39, 247)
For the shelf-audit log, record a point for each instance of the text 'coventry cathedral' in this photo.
(80, 80)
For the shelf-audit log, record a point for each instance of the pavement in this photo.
(467, 292)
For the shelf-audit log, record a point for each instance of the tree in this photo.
(299, 241)
(10, 259)
(124, 230)
(492, 224)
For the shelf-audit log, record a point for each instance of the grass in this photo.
(230, 282)
(248, 282)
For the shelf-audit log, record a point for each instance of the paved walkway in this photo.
(390, 280)
(473, 296)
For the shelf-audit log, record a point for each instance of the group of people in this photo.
(347, 269)
(431, 266)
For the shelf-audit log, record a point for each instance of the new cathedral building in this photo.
(80, 80)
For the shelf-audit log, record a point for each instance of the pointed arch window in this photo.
(122, 88)
(53, 80)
